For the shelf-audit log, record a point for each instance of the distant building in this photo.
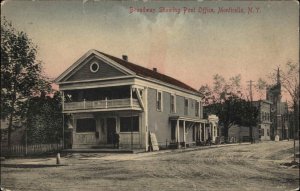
(261, 132)
(214, 131)
(279, 111)
(264, 122)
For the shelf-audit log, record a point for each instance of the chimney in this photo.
(125, 57)
(155, 69)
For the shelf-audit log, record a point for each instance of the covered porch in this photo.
(121, 130)
(186, 132)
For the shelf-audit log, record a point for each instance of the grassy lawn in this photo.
(241, 167)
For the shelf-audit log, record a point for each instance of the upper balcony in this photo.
(101, 99)
(114, 104)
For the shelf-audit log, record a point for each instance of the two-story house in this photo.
(264, 122)
(105, 95)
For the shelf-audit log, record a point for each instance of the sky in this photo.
(191, 46)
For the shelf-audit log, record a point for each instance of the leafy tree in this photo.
(226, 101)
(234, 111)
(21, 74)
(44, 119)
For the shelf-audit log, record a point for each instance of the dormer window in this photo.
(94, 67)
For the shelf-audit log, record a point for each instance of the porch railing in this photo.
(102, 104)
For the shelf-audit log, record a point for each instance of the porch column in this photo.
(184, 138)
(205, 131)
(130, 96)
(212, 131)
(200, 131)
(63, 100)
(177, 133)
(145, 97)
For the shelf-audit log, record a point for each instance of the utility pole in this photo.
(250, 90)
(251, 99)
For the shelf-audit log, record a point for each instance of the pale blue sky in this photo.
(190, 47)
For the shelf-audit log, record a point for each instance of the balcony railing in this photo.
(102, 104)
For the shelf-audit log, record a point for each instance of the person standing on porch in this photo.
(116, 140)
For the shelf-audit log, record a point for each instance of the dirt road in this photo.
(242, 167)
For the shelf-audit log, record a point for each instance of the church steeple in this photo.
(278, 76)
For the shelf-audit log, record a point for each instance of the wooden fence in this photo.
(30, 150)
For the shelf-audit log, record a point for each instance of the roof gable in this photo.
(82, 69)
(85, 71)
(113, 67)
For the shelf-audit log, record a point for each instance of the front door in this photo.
(173, 130)
(110, 129)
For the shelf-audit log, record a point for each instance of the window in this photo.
(197, 108)
(94, 67)
(172, 104)
(129, 124)
(186, 106)
(86, 125)
(268, 132)
(159, 101)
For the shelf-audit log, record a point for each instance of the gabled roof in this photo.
(148, 73)
(131, 68)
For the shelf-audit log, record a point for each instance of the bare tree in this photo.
(260, 87)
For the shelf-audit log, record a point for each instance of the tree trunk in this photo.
(296, 126)
(11, 121)
(296, 120)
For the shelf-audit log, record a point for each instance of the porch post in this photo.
(212, 130)
(63, 100)
(205, 131)
(131, 96)
(177, 133)
(145, 97)
(197, 132)
(184, 139)
(200, 131)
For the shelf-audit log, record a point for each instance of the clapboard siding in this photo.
(84, 72)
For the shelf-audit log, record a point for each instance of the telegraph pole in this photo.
(251, 99)
(250, 90)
